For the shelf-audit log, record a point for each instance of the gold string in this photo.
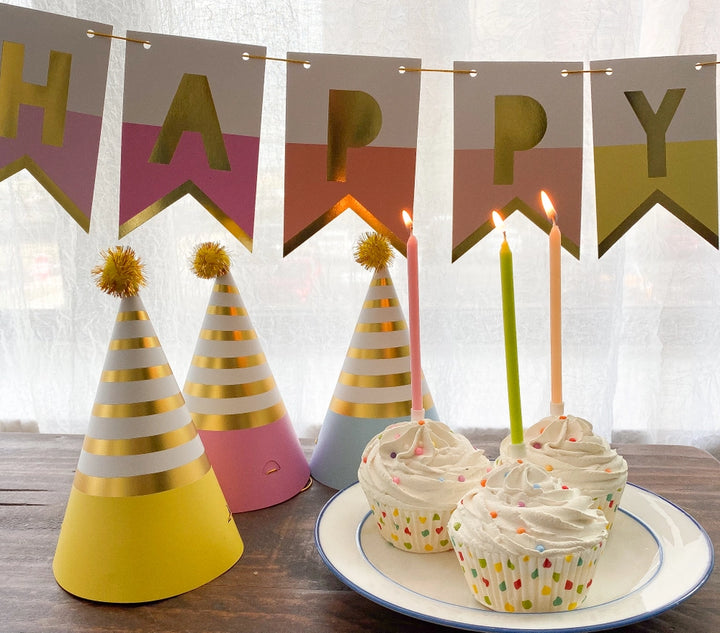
(275, 59)
(578, 72)
(117, 37)
(706, 64)
(436, 70)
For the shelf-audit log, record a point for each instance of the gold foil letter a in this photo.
(52, 98)
(354, 120)
(520, 124)
(193, 110)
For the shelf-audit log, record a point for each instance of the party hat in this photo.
(373, 390)
(235, 403)
(146, 518)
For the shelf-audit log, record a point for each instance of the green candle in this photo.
(511, 355)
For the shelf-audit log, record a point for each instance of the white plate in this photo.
(657, 557)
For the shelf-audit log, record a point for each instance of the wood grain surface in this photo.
(280, 584)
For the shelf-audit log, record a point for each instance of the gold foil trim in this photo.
(140, 445)
(237, 421)
(137, 409)
(136, 373)
(381, 281)
(379, 354)
(376, 410)
(382, 380)
(228, 335)
(226, 288)
(342, 205)
(227, 310)
(142, 484)
(229, 362)
(188, 187)
(132, 315)
(140, 342)
(25, 162)
(383, 326)
(391, 302)
(199, 390)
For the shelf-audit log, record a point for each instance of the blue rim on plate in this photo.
(678, 548)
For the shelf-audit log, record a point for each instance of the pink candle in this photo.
(414, 320)
(556, 401)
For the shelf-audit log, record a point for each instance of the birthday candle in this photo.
(510, 330)
(414, 320)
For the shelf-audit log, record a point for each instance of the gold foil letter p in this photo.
(354, 120)
(520, 124)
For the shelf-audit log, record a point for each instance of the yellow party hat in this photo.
(235, 402)
(373, 390)
(146, 518)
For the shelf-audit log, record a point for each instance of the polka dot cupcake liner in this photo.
(528, 584)
(609, 504)
(422, 532)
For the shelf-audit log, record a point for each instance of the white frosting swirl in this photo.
(421, 465)
(567, 447)
(521, 509)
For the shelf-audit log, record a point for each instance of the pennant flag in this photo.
(191, 125)
(52, 94)
(518, 130)
(655, 142)
(351, 137)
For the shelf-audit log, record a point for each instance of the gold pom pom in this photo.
(373, 251)
(210, 260)
(121, 274)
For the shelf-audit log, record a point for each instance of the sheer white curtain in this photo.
(641, 335)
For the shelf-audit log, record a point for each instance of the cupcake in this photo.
(566, 446)
(526, 542)
(413, 474)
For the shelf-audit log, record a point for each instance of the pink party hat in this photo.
(146, 518)
(235, 403)
(373, 390)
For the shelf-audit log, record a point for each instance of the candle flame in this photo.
(548, 206)
(407, 219)
(498, 221)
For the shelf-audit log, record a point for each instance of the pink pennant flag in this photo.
(518, 130)
(191, 125)
(351, 137)
(52, 92)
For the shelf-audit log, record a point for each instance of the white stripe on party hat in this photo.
(146, 518)
(235, 402)
(373, 389)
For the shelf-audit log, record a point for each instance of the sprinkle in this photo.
(542, 430)
(565, 488)
(540, 548)
(520, 530)
(421, 422)
(572, 439)
(607, 470)
(549, 468)
(536, 486)
(396, 480)
(519, 461)
(441, 478)
(562, 417)
(364, 460)
(536, 445)
(419, 450)
(483, 482)
(493, 514)
(461, 478)
(393, 455)
(521, 504)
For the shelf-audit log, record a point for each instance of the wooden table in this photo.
(280, 583)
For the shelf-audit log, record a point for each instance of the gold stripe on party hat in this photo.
(146, 518)
(234, 399)
(373, 389)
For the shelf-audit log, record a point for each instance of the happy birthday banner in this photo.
(191, 126)
(52, 94)
(654, 127)
(518, 130)
(351, 134)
